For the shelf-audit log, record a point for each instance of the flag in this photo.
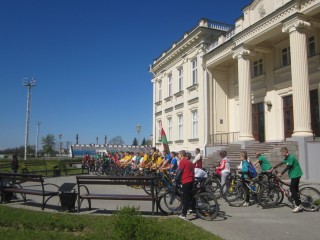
(163, 139)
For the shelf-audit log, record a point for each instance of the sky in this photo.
(90, 60)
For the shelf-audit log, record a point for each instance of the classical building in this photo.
(258, 80)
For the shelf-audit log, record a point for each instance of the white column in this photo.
(244, 82)
(300, 76)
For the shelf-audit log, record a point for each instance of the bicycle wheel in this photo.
(212, 185)
(234, 194)
(170, 203)
(158, 186)
(310, 199)
(269, 196)
(207, 207)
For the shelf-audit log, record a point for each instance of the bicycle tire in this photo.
(158, 186)
(207, 207)
(235, 195)
(310, 199)
(170, 203)
(213, 186)
(269, 196)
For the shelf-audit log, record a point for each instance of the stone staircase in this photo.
(270, 149)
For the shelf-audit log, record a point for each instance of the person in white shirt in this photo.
(197, 161)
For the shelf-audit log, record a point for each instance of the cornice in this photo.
(271, 20)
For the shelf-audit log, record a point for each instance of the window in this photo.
(180, 127)
(169, 133)
(180, 72)
(311, 47)
(194, 122)
(194, 72)
(160, 90)
(170, 85)
(257, 68)
(285, 56)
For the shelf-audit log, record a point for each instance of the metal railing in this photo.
(222, 139)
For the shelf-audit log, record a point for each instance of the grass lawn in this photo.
(127, 223)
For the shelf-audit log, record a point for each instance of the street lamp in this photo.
(138, 127)
(37, 140)
(29, 84)
(60, 136)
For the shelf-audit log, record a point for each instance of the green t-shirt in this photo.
(264, 163)
(295, 169)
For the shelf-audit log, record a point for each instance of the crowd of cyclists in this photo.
(234, 185)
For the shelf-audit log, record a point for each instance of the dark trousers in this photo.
(186, 197)
(294, 189)
(246, 189)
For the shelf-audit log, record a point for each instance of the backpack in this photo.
(252, 172)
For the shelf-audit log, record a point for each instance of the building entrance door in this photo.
(288, 116)
(258, 124)
(314, 104)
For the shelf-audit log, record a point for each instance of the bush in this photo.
(127, 222)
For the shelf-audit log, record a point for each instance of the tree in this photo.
(135, 142)
(116, 141)
(143, 143)
(48, 144)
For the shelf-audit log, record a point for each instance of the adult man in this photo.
(295, 173)
(185, 174)
(14, 163)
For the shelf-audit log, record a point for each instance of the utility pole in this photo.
(138, 127)
(29, 84)
(37, 139)
(60, 136)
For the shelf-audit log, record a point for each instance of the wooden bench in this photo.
(35, 167)
(12, 183)
(84, 181)
(72, 166)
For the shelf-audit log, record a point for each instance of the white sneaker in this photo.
(190, 211)
(182, 217)
(246, 204)
(297, 208)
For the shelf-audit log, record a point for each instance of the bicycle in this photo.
(206, 204)
(234, 192)
(273, 194)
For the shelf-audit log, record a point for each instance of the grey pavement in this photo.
(240, 223)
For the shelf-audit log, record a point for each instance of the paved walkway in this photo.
(242, 223)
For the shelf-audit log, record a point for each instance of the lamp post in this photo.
(60, 136)
(29, 84)
(138, 127)
(37, 139)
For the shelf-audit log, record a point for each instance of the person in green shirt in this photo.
(294, 173)
(263, 162)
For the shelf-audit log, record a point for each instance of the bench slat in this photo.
(117, 197)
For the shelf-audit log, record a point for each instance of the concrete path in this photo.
(242, 223)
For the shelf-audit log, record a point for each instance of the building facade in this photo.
(257, 80)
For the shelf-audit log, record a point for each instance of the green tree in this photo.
(143, 143)
(135, 142)
(48, 144)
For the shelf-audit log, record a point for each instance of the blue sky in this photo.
(90, 59)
